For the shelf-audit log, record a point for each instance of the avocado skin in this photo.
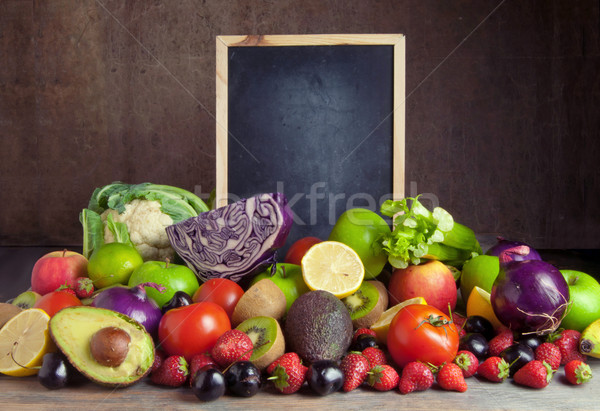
(318, 327)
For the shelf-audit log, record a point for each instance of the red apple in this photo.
(433, 281)
(57, 268)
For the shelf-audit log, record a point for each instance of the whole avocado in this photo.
(318, 327)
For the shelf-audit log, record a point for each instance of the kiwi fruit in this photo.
(262, 299)
(267, 338)
(8, 311)
(366, 305)
(26, 299)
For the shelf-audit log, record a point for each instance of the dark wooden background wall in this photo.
(502, 104)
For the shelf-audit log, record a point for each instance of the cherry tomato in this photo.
(221, 291)
(299, 248)
(55, 301)
(420, 332)
(192, 329)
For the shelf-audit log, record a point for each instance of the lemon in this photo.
(25, 338)
(112, 264)
(333, 266)
(479, 304)
(382, 325)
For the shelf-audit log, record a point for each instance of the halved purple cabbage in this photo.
(235, 241)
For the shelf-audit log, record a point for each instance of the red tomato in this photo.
(423, 333)
(299, 248)
(221, 291)
(192, 329)
(55, 301)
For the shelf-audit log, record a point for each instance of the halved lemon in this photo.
(24, 340)
(382, 325)
(479, 303)
(333, 266)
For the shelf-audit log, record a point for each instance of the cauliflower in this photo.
(146, 224)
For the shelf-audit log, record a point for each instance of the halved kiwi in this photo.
(267, 338)
(262, 299)
(366, 305)
(26, 299)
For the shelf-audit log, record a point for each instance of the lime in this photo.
(112, 264)
(24, 340)
(480, 271)
(361, 230)
(333, 267)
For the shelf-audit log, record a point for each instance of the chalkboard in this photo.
(319, 118)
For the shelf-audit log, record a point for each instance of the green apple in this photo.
(173, 277)
(361, 230)
(480, 271)
(584, 307)
(288, 277)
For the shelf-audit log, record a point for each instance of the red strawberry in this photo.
(159, 357)
(360, 331)
(568, 343)
(355, 367)
(577, 372)
(67, 289)
(459, 321)
(450, 378)
(550, 353)
(534, 374)
(467, 362)
(383, 377)
(287, 373)
(375, 356)
(198, 361)
(233, 345)
(84, 287)
(173, 372)
(288, 356)
(416, 376)
(502, 340)
(494, 369)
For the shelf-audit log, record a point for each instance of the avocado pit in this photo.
(109, 346)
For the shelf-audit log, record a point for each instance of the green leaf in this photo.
(93, 231)
(119, 230)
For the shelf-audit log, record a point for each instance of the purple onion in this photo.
(504, 244)
(236, 241)
(134, 303)
(529, 296)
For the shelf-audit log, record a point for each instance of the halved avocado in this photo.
(72, 329)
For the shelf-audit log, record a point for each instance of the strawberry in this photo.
(383, 377)
(159, 357)
(502, 340)
(375, 356)
(577, 372)
(198, 361)
(84, 288)
(568, 343)
(467, 362)
(459, 321)
(363, 331)
(287, 373)
(450, 378)
(67, 289)
(534, 374)
(233, 345)
(355, 367)
(173, 372)
(494, 369)
(550, 353)
(416, 376)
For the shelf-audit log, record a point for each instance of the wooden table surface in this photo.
(16, 393)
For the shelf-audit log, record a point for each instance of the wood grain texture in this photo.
(481, 395)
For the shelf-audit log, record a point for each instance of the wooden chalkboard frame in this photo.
(223, 43)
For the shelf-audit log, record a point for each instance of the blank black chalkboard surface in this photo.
(317, 117)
